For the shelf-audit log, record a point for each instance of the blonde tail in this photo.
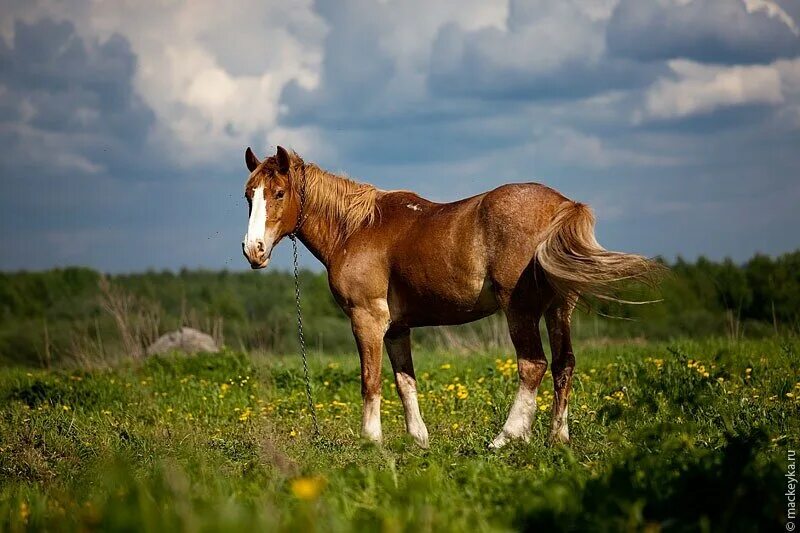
(575, 264)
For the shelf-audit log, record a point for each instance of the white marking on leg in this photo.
(407, 389)
(560, 431)
(520, 418)
(371, 419)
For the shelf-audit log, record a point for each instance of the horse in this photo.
(396, 261)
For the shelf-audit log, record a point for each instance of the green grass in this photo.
(680, 436)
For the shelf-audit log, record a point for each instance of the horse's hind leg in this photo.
(557, 317)
(523, 325)
(398, 345)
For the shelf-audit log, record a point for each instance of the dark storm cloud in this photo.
(69, 88)
(69, 107)
(73, 137)
(355, 72)
(466, 64)
(715, 31)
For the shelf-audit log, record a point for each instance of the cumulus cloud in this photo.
(213, 76)
(549, 61)
(701, 89)
(70, 100)
(376, 63)
(717, 31)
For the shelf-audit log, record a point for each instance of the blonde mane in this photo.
(333, 197)
(348, 203)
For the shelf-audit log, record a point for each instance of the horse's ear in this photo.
(251, 160)
(284, 160)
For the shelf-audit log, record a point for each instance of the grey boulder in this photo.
(187, 340)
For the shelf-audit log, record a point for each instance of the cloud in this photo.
(69, 101)
(548, 61)
(772, 10)
(715, 31)
(213, 76)
(701, 89)
(376, 62)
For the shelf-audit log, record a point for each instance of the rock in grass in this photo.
(187, 340)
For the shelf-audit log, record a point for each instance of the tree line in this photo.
(47, 317)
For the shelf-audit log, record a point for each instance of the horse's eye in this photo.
(279, 194)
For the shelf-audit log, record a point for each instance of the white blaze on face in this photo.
(256, 226)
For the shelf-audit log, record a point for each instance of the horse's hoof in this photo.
(504, 438)
(559, 436)
(372, 438)
(422, 441)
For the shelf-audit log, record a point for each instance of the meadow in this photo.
(677, 435)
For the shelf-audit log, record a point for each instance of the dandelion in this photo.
(455, 426)
(543, 407)
(65, 407)
(445, 366)
(308, 488)
(293, 433)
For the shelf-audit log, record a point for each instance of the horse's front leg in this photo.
(398, 345)
(369, 325)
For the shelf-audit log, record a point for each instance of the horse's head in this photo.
(273, 201)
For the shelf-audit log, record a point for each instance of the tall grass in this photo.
(685, 436)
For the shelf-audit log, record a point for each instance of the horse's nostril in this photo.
(260, 246)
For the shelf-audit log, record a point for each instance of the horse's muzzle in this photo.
(256, 254)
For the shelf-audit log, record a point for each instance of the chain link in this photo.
(301, 337)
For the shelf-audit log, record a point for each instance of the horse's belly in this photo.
(441, 305)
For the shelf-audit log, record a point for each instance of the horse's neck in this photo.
(318, 231)
(320, 236)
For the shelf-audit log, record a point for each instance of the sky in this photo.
(123, 123)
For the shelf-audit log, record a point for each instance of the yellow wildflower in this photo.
(308, 488)
(24, 512)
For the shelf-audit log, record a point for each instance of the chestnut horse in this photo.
(396, 261)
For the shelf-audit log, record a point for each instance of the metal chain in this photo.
(301, 337)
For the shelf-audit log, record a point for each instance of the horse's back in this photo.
(444, 258)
